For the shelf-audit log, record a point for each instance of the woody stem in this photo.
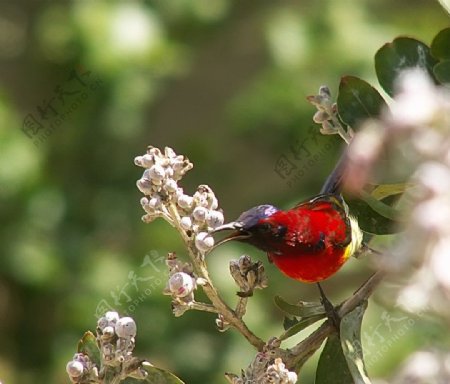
(210, 290)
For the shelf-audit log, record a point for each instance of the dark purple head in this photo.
(248, 227)
(250, 218)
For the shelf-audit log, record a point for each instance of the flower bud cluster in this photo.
(327, 114)
(277, 373)
(115, 340)
(81, 369)
(198, 215)
(416, 134)
(159, 180)
(116, 337)
(248, 275)
(266, 368)
(416, 128)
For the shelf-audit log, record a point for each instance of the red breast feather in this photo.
(316, 242)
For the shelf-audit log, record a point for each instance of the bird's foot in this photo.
(330, 310)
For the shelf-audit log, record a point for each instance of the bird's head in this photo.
(252, 227)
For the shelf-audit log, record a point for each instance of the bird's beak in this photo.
(238, 232)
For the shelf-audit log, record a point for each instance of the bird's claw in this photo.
(330, 310)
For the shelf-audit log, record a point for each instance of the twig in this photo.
(203, 307)
(210, 290)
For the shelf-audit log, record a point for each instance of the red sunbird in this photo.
(309, 242)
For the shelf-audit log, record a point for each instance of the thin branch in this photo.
(228, 314)
(210, 290)
(203, 307)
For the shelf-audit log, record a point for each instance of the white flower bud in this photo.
(154, 202)
(170, 185)
(214, 219)
(185, 201)
(200, 199)
(145, 186)
(169, 172)
(200, 214)
(102, 323)
(147, 160)
(108, 331)
(214, 203)
(112, 317)
(205, 197)
(154, 151)
(126, 327)
(204, 241)
(177, 163)
(156, 172)
(186, 223)
(138, 160)
(74, 368)
(169, 152)
(292, 377)
(181, 284)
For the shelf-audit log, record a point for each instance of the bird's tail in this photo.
(333, 183)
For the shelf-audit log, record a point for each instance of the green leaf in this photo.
(300, 326)
(302, 309)
(440, 46)
(350, 331)
(401, 54)
(370, 220)
(88, 346)
(332, 366)
(442, 71)
(358, 101)
(380, 207)
(382, 191)
(160, 376)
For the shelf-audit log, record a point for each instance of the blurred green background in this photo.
(87, 85)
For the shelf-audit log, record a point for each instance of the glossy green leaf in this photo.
(442, 71)
(370, 220)
(332, 366)
(350, 331)
(301, 325)
(302, 309)
(401, 54)
(160, 376)
(440, 46)
(358, 101)
(385, 190)
(88, 346)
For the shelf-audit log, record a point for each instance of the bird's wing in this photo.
(329, 204)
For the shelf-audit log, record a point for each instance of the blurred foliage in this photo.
(224, 83)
